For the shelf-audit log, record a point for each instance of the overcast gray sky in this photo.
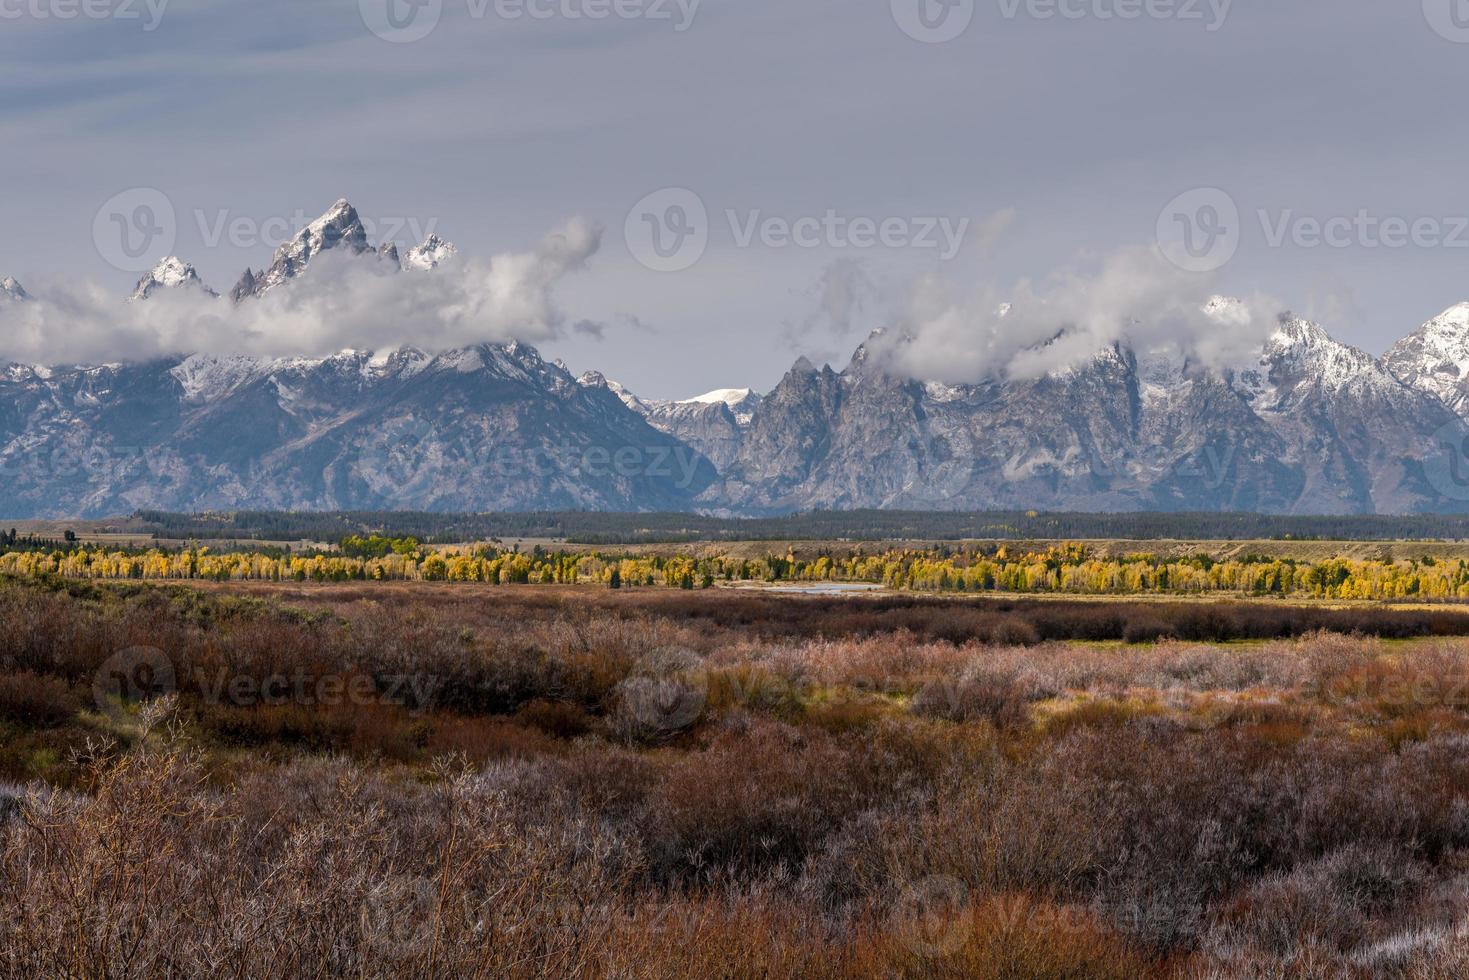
(1055, 137)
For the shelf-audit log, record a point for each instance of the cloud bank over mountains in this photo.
(348, 300)
(1134, 297)
(330, 289)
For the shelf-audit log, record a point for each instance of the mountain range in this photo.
(1312, 426)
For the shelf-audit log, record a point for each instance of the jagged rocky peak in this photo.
(429, 254)
(339, 228)
(596, 379)
(1435, 357)
(1292, 330)
(1302, 348)
(12, 290)
(170, 273)
(247, 286)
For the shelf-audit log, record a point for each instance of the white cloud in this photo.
(1132, 296)
(342, 301)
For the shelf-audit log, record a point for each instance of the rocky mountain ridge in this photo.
(1309, 426)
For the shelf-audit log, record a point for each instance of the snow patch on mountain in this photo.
(205, 378)
(741, 401)
(730, 396)
(1305, 350)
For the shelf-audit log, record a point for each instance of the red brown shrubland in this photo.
(548, 783)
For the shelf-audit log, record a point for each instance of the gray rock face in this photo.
(246, 287)
(483, 428)
(1314, 427)
(710, 427)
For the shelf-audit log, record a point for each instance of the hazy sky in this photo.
(1044, 135)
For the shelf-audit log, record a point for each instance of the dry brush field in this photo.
(419, 780)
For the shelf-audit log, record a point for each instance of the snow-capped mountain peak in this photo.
(12, 290)
(1435, 357)
(1301, 351)
(339, 227)
(596, 379)
(170, 273)
(431, 253)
